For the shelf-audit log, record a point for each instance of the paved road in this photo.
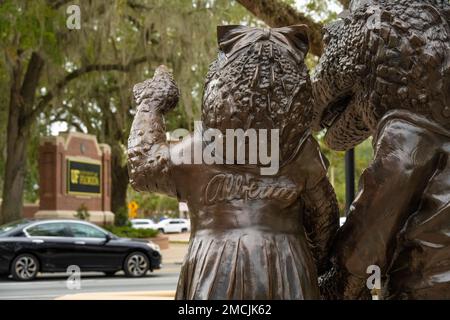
(50, 286)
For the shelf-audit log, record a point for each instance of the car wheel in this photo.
(161, 230)
(136, 265)
(25, 267)
(184, 230)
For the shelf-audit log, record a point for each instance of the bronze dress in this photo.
(248, 240)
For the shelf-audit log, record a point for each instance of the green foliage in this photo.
(180, 34)
(82, 213)
(154, 205)
(336, 170)
(121, 217)
(363, 156)
(322, 10)
(129, 232)
(30, 25)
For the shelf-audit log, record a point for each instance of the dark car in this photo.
(28, 247)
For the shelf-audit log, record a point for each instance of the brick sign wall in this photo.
(74, 170)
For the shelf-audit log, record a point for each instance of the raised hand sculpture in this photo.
(253, 236)
(385, 72)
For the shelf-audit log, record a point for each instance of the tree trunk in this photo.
(119, 176)
(18, 134)
(16, 150)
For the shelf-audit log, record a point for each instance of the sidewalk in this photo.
(179, 237)
(175, 254)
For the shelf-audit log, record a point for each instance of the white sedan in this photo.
(173, 225)
(143, 224)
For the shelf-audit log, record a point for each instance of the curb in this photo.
(132, 295)
(179, 241)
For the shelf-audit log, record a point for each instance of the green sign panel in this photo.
(83, 177)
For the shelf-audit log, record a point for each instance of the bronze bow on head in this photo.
(233, 38)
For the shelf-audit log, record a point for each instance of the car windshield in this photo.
(12, 225)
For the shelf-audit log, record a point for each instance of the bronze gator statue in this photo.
(253, 236)
(385, 73)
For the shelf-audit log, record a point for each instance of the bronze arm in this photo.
(321, 222)
(149, 161)
(321, 212)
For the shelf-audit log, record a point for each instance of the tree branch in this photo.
(345, 3)
(31, 79)
(56, 4)
(138, 6)
(43, 102)
(276, 13)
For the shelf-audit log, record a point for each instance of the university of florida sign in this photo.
(83, 177)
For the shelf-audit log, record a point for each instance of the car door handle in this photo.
(37, 241)
(80, 242)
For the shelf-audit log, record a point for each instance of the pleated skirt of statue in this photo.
(248, 266)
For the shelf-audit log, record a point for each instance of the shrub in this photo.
(82, 213)
(121, 217)
(129, 232)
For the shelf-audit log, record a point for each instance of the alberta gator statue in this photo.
(253, 236)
